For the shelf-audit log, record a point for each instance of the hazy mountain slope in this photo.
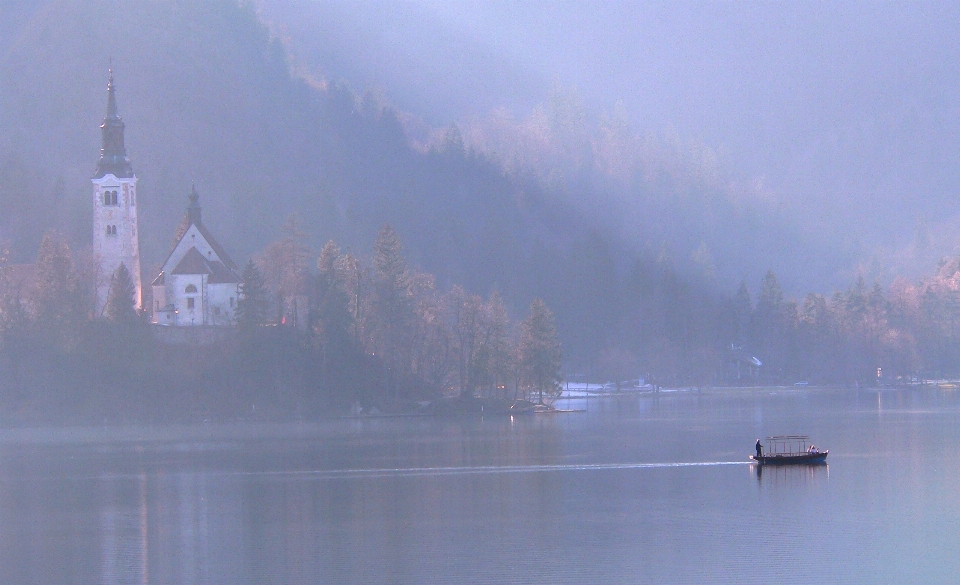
(206, 97)
(648, 191)
(842, 117)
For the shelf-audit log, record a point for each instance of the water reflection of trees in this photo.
(271, 519)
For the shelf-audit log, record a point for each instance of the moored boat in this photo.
(789, 450)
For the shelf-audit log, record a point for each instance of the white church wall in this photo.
(221, 302)
(187, 313)
(161, 316)
(213, 304)
(159, 299)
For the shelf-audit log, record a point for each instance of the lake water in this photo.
(640, 489)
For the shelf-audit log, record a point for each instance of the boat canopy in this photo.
(787, 444)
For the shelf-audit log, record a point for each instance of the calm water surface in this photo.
(647, 489)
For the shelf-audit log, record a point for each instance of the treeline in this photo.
(865, 335)
(649, 322)
(379, 331)
(314, 337)
(320, 334)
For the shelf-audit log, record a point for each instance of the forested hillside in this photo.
(528, 208)
(207, 96)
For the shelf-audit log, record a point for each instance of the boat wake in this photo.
(494, 469)
(314, 474)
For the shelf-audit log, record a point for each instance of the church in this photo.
(198, 283)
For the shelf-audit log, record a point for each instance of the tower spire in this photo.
(193, 209)
(111, 97)
(113, 153)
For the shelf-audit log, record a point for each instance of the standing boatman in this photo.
(759, 449)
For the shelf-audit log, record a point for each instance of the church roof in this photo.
(221, 273)
(182, 228)
(192, 218)
(193, 263)
(216, 246)
(217, 272)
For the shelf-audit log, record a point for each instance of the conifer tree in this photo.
(465, 321)
(252, 304)
(490, 363)
(121, 301)
(499, 349)
(13, 315)
(333, 319)
(58, 303)
(743, 308)
(539, 349)
(770, 325)
(392, 305)
(390, 269)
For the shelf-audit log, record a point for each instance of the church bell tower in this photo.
(115, 237)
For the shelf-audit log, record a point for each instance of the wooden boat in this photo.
(790, 450)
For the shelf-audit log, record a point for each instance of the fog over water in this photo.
(478, 291)
(637, 489)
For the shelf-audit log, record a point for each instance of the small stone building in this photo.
(198, 283)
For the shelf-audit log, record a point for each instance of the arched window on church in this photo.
(113, 198)
(190, 289)
(111, 230)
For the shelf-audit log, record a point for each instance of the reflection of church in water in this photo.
(198, 283)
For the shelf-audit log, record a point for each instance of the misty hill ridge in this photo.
(207, 96)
